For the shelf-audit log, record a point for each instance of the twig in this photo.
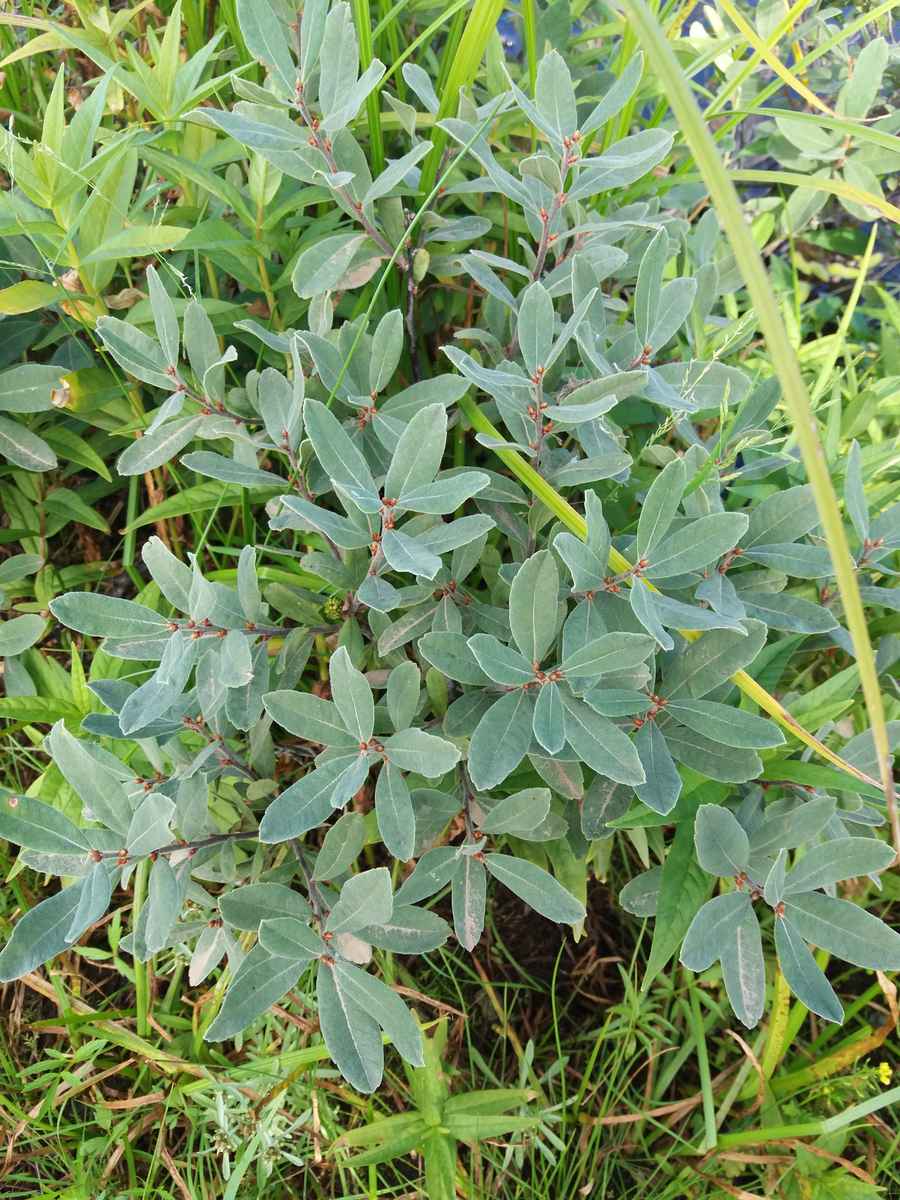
(214, 839)
(323, 145)
(315, 896)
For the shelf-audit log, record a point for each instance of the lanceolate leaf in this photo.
(158, 447)
(309, 801)
(416, 750)
(352, 696)
(309, 717)
(341, 845)
(385, 1006)
(499, 662)
(501, 740)
(163, 904)
(533, 601)
(41, 934)
(536, 887)
(696, 545)
(730, 726)
(266, 40)
(783, 517)
(712, 928)
(660, 506)
(286, 937)
(395, 813)
(802, 973)
(662, 787)
(102, 794)
(106, 616)
(433, 870)
(833, 861)
(846, 930)
(409, 555)
(259, 982)
(549, 719)
(601, 744)
(640, 895)
(245, 906)
(419, 451)
(469, 892)
(711, 660)
(17, 634)
(96, 891)
(351, 1034)
(518, 813)
(613, 652)
(744, 969)
(535, 326)
(339, 457)
(24, 448)
(795, 827)
(409, 931)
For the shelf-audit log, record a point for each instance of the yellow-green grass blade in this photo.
(765, 51)
(480, 25)
(817, 183)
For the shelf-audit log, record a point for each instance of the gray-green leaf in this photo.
(351, 1035)
(287, 937)
(518, 813)
(844, 858)
(744, 969)
(365, 899)
(536, 887)
(601, 744)
(417, 457)
(394, 812)
(341, 846)
(352, 696)
(245, 906)
(723, 847)
(725, 724)
(106, 616)
(34, 825)
(309, 717)
(533, 605)
(712, 928)
(846, 930)
(468, 895)
(259, 982)
(802, 973)
(41, 934)
(342, 462)
(696, 545)
(384, 1006)
(501, 740)
(416, 750)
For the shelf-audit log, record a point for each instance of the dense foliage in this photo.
(418, 655)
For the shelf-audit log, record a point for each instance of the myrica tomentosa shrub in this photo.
(510, 693)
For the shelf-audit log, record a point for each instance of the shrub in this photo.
(509, 681)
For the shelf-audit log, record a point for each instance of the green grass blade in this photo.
(838, 342)
(363, 21)
(462, 70)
